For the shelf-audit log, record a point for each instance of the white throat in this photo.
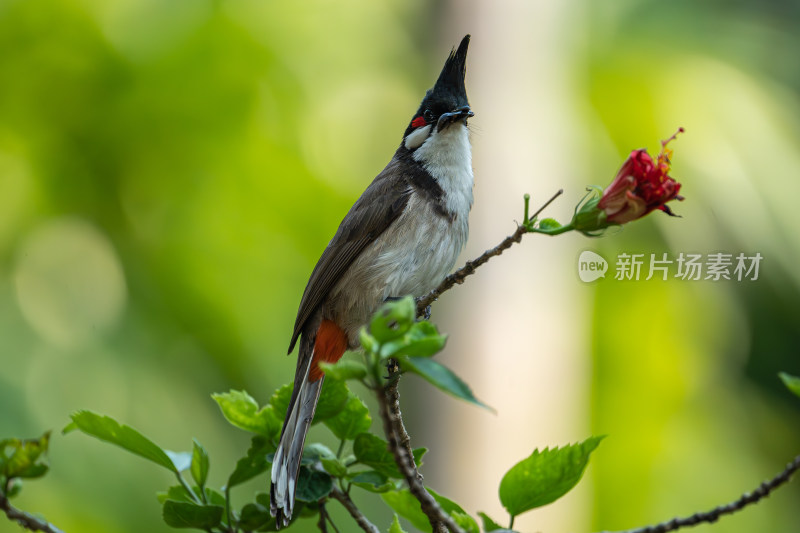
(447, 156)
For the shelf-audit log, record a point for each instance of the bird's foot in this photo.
(392, 370)
(426, 314)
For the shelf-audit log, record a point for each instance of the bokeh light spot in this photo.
(69, 282)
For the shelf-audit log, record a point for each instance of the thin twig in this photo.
(393, 395)
(228, 507)
(331, 522)
(748, 498)
(458, 277)
(323, 515)
(360, 519)
(24, 519)
(399, 445)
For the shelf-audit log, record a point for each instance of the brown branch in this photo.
(354, 511)
(748, 498)
(24, 519)
(458, 277)
(322, 523)
(393, 395)
(400, 446)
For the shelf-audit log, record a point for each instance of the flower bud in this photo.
(641, 186)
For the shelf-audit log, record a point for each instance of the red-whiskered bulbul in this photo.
(401, 237)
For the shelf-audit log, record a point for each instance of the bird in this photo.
(401, 237)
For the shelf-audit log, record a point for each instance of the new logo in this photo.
(591, 266)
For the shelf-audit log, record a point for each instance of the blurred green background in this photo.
(171, 170)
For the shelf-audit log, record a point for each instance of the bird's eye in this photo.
(428, 116)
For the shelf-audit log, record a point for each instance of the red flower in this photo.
(641, 186)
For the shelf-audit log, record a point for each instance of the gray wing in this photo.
(377, 208)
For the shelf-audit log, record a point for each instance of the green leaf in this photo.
(179, 493)
(334, 467)
(200, 463)
(374, 452)
(351, 421)
(422, 330)
(109, 430)
(254, 516)
(24, 458)
(315, 452)
(332, 400)
(176, 493)
(280, 400)
(424, 347)
(241, 410)
(545, 476)
(549, 223)
(262, 502)
(448, 505)
(212, 496)
(343, 370)
(489, 524)
(407, 506)
(368, 342)
(189, 515)
(441, 377)
(792, 382)
(465, 522)
(262, 499)
(395, 527)
(421, 340)
(372, 481)
(254, 463)
(393, 319)
(312, 485)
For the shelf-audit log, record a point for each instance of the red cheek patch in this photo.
(417, 122)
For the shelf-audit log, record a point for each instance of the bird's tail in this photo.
(329, 345)
(290, 450)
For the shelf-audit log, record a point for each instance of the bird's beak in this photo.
(461, 114)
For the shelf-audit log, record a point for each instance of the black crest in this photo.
(449, 93)
(450, 86)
